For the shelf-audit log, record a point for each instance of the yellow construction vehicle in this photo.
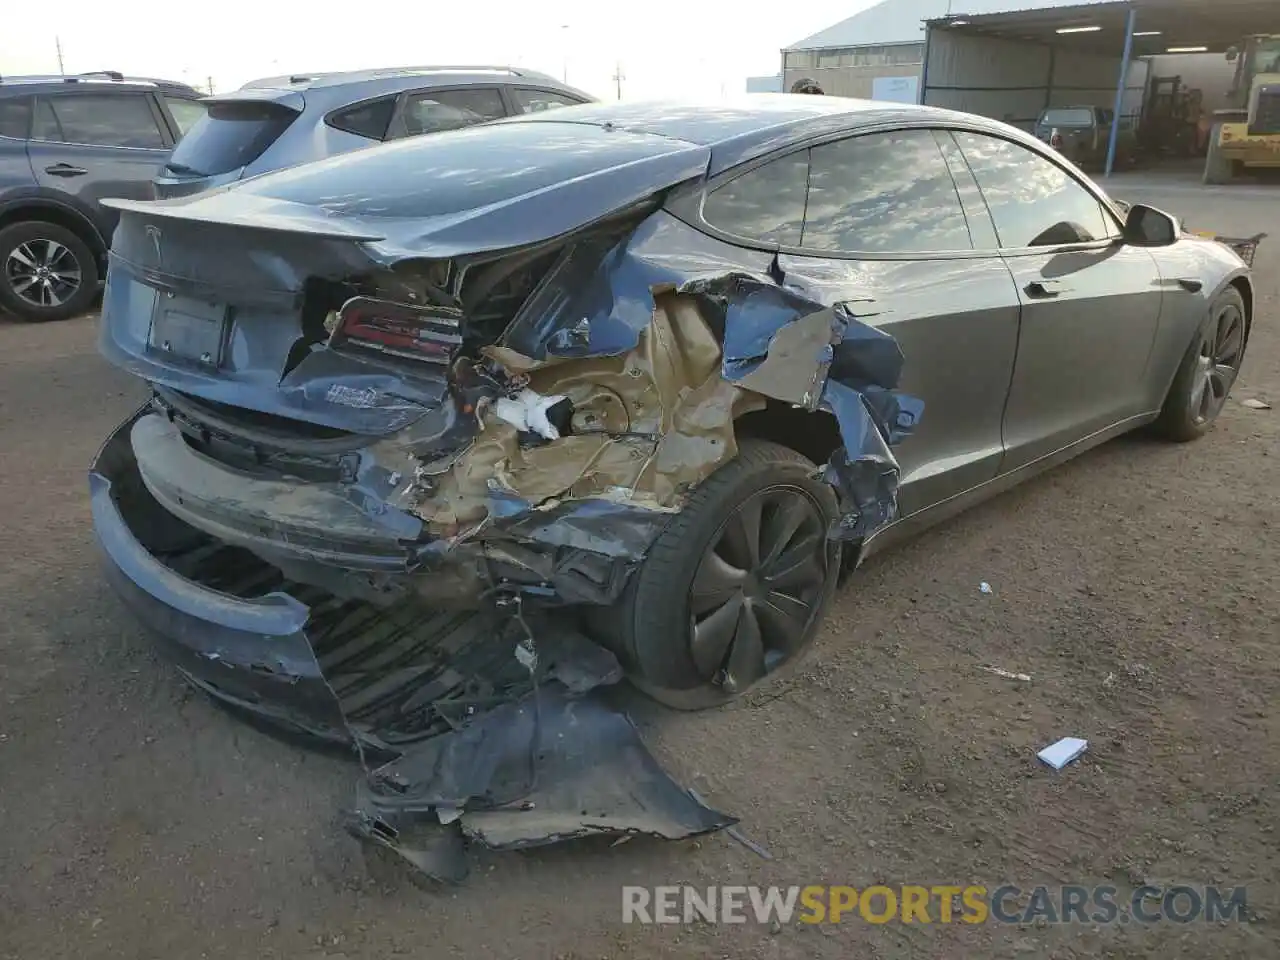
(1247, 135)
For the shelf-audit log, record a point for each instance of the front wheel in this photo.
(1208, 370)
(735, 588)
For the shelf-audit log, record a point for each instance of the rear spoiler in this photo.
(265, 214)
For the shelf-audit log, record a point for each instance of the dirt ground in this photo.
(1135, 585)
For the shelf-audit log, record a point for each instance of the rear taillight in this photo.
(1055, 139)
(397, 328)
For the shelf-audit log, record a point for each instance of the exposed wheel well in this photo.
(812, 435)
(62, 216)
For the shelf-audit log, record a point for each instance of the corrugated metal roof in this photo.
(902, 21)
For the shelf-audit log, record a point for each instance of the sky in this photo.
(665, 47)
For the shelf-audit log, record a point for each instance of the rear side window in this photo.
(100, 120)
(765, 204)
(432, 111)
(369, 119)
(535, 101)
(15, 117)
(1067, 118)
(230, 136)
(883, 193)
(185, 112)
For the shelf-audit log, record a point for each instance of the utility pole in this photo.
(210, 79)
(57, 42)
(564, 45)
(618, 77)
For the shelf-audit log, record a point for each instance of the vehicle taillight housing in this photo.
(399, 329)
(1055, 139)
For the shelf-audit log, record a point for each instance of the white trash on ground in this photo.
(1058, 755)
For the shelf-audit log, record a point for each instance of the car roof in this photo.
(464, 74)
(752, 124)
(91, 82)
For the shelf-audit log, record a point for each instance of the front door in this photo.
(1090, 304)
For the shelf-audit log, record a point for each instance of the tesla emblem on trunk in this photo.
(154, 233)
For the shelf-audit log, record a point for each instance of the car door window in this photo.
(15, 117)
(883, 193)
(185, 112)
(102, 120)
(765, 204)
(1033, 201)
(535, 101)
(432, 111)
(369, 119)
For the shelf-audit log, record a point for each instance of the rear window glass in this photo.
(15, 117)
(1067, 118)
(365, 119)
(185, 112)
(230, 136)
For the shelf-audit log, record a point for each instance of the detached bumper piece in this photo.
(546, 769)
(438, 694)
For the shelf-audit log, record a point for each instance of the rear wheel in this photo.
(1208, 370)
(736, 587)
(46, 272)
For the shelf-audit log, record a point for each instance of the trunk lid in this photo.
(229, 296)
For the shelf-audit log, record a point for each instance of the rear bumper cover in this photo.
(254, 653)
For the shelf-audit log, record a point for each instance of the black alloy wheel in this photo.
(758, 588)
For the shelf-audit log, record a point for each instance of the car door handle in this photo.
(1042, 289)
(65, 170)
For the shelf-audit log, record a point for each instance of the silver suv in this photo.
(282, 121)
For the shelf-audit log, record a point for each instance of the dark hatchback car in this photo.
(279, 122)
(65, 144)
(672, 367)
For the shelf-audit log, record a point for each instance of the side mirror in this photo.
(1232, 54)
(1148, 227)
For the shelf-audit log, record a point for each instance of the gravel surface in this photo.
(1136, 586)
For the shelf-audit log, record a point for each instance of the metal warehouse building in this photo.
(1010, 61)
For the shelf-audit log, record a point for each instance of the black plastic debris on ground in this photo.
(550, 767)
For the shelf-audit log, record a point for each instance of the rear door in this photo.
(878, 221)
(445, 108)
(1090, 304)
(98, 145)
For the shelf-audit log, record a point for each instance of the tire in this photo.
(1219, 343)
(34, 245)
(1217, 170)
(652, 628)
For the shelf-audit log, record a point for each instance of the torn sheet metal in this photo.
(646, 427)
(547, 769)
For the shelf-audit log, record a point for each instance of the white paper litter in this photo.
(1253, 404)
(1025, 677)
(527, 412)
(985, 587)
(1058, 755)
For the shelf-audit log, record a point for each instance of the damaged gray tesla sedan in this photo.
(665, 369)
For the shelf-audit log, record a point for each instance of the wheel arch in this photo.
(814, 436)
(1243, 284)
(51, 211)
